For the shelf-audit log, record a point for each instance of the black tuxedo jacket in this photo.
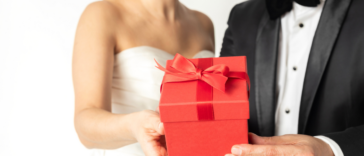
(332, 102)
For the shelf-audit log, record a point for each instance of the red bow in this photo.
(184, 70)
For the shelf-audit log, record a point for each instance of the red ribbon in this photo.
(184, 70)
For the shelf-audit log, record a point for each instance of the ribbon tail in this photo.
(160, 67)
(246, 76)
(247, 80)
(241, 75)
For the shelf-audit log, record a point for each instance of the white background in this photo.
(36, 94)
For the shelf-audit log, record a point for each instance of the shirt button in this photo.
(301, 25)
(294, 68)
(287, 111)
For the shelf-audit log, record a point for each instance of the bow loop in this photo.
(183, 69)
(183, 65)
(218, 69)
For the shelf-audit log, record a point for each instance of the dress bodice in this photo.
(136, 86)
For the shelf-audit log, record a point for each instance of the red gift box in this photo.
(204, 105)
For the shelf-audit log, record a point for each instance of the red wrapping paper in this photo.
(201, 116)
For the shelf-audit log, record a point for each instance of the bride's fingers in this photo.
(158, 125)
(151, 136)
(161, 128)
(153, 146)
(158, 128)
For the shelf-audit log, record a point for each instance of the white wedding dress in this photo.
(136, 87)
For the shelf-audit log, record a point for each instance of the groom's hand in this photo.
(301, 145)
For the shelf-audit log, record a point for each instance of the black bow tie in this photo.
(276, 8)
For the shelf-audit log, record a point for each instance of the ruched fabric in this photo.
(136, 86)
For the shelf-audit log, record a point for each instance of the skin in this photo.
(298, 145)
(105, 29)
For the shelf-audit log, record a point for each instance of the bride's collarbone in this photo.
(185, 38)
(185, 45)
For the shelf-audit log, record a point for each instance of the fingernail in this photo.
(161, 127)
(236, 150)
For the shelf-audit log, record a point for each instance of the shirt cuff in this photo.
(334, 146)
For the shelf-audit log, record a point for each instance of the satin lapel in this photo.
(265, 73)
(332, 17)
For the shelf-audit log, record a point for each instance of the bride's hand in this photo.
(149, 131)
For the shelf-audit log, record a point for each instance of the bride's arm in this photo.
(93, 60)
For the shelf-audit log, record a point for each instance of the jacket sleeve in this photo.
(228, 41)
(351, 141)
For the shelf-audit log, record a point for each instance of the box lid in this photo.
(198, 101)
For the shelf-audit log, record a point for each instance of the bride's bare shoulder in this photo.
(202, 17)
(100, 11)
(205, 21)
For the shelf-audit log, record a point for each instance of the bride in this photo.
(115, 80)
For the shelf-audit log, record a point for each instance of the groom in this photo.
(306, 62)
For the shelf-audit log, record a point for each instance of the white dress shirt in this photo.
(298, 28)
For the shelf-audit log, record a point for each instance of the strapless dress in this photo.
(136, 87)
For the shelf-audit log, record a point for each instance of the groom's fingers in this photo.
(271, 150)
(242, 150)
(255, 139)
(276, 140)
